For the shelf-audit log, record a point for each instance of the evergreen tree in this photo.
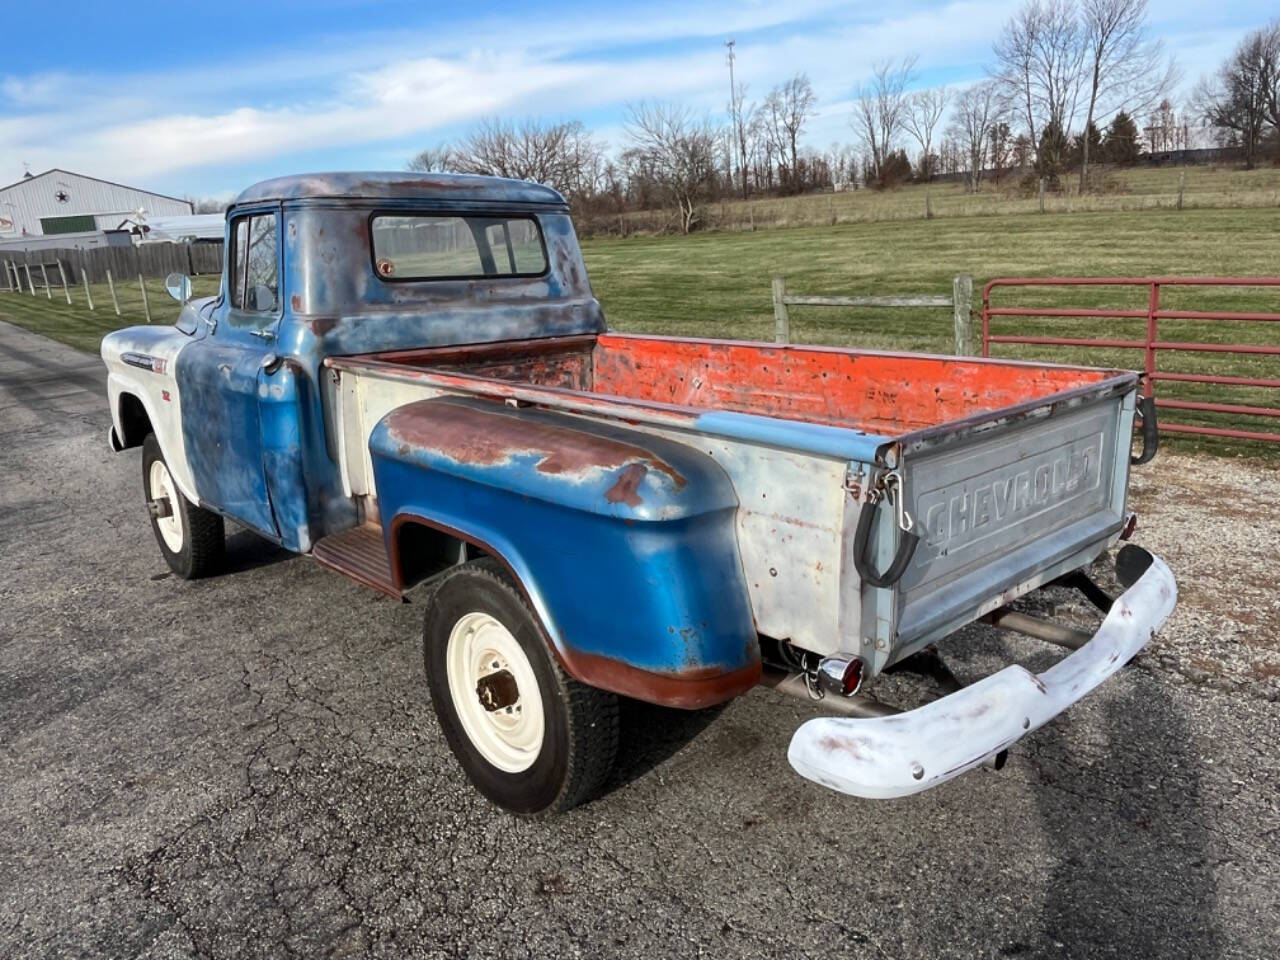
(1121, 144)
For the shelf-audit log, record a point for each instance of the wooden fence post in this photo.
(1042, 194)
(66, 291)
(962, 299)
(8, 283)
(30, 283)
(111, 284)
(781, 319)
(1182, 185)
(88, 294)
(44, 275)
(146, 307)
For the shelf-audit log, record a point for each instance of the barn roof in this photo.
(32, 177)
(399, 185)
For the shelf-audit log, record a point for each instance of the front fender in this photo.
(623, 542)
(140, 362)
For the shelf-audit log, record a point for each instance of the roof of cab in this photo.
(399, 185)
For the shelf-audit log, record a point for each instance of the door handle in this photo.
(264, 334)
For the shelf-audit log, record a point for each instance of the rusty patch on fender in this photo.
(488, 437)
(627, 489)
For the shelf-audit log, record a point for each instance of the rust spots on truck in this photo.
(690, 688)
(489, 435)
(626, 489)
(321, 325)
(852, 746)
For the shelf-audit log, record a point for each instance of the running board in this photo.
(361, 554)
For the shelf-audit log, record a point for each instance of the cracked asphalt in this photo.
(248, 766)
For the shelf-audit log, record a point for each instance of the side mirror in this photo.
(179, 286)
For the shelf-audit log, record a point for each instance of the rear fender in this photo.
(623, 542)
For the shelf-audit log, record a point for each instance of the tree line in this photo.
(1071, 84)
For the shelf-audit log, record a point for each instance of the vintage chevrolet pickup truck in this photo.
(408, 378)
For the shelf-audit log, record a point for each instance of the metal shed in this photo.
(58, 202)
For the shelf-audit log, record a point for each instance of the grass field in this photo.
(1128, 189)
(717, 284)
(81, 327)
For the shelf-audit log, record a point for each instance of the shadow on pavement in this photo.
(650, 735)
(1136, 881)
(248, 551)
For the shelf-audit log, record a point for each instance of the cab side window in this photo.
(254, 269)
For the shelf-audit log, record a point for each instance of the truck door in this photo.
(218, 377)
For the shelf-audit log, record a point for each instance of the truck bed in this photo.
(1015, 472)
(879, 393)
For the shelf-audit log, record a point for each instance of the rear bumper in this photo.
(905, 753)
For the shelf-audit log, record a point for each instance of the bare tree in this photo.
(978, 111)
(1126, 69)
(1015, 60)
(924, 110)
(561, 155)
(881, 108)
(1040, 56)
(441, 159)
(1240, 102)
(789, 107)
(676, 152)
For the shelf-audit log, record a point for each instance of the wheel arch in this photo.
(133, 421)
(624, 543)
(691, 690)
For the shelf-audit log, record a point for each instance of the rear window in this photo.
(439, 247)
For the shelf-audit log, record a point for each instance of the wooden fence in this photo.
(960, 303)
(148, 260)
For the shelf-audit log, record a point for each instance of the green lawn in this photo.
(717, 284)
(81, 327)
(1134, 189)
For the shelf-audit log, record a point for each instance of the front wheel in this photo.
(191, 538)
(529, 737)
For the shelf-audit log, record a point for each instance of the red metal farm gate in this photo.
(1151, 344)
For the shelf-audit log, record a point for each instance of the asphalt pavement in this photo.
(248, 766)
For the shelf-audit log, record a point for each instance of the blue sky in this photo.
(204, 99)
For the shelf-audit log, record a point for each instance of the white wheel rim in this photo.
(509, 737)
(162, 487)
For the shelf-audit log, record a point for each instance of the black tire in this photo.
(203, 535)
(580, 738)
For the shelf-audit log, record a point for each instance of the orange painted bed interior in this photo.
(874, 392)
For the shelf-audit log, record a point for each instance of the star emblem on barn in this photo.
(62, 196)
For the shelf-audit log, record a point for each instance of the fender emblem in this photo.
(144, 361)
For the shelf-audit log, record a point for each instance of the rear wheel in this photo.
(529, 737)
(191, 538)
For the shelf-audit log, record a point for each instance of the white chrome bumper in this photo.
(905, 753)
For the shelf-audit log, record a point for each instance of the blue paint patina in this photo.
(624, 540)
(257, 440)
(844, 443)
(221, 428)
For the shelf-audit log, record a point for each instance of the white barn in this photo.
(74, 208)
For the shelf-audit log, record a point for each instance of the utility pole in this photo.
(735, 108)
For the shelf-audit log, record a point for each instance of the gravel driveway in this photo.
(249, 766)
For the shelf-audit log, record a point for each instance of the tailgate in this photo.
(1003, 509)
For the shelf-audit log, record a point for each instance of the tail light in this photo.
(841, 676)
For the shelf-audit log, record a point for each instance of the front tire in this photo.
(192, 539)
(530, 738)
